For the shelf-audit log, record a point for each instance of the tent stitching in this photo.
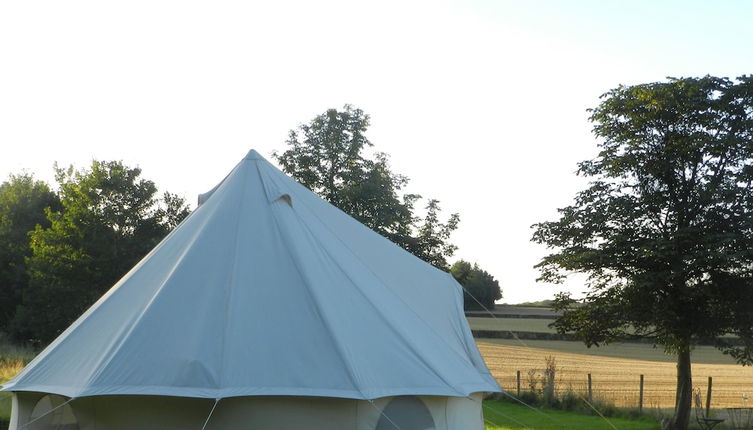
(102, 364)
(398, 333)
(229, 291)
(355, 256)
(366, 297)
(326, 253)
(64, 335)
(308, 289)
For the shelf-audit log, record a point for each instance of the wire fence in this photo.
(616, 380)
(624, 392)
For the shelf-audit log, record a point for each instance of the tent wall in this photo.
(258, 413)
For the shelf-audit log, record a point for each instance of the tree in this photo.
(481, 290)
(110, 218)
(327, 156)
(23, 201)
(665, 228)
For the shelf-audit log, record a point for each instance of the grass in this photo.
(538, 304)
(8, 369)
(537, 325)
(12, 359)
(508, 416)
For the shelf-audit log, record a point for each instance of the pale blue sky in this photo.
(481, 103)
(687, 36)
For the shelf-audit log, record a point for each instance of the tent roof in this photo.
(266, 289)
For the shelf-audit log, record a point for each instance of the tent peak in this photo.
(253, 155)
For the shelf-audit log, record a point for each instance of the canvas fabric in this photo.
(268, 290)
(258, 413)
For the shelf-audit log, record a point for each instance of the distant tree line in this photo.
(480, 289)
(60, 250)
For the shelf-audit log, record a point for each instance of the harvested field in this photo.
(617, 379)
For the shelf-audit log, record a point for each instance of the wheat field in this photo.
(616, 379)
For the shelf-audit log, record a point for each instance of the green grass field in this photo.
(508, 416)
(512, 324)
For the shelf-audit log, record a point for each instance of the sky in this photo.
(482, 104)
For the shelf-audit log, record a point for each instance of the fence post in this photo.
(590, 391)
(640, 397)
(708, 397)
(517, 378)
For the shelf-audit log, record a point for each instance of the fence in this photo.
(640, 393)
(617, 380)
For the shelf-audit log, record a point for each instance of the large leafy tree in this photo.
(109, 219)
(665, 228)
(328, 156)
(23, 201)
(481, 290)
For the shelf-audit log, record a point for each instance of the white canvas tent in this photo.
(267, 308)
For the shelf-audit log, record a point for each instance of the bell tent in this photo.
(266, 308)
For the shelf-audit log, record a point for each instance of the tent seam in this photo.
(229, 292)
(383, 283)
(74, 326)
(105, 362)
(321, 314)
(355, 256)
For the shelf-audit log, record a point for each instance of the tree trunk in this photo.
(684, 397)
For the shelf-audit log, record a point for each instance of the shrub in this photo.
(570, 401)
(529, 398)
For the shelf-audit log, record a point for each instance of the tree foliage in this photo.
(481, 290)
(109, 219)
(327, 155)
(665, 228)
(23, 201)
